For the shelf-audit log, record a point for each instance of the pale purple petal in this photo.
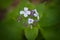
(30, 21)
(28, 12)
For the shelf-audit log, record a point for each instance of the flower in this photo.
(26, 12)
(29, 13)
(30, 21)
(36, 14)
(38, 17)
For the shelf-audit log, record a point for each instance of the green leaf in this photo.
(31, 34)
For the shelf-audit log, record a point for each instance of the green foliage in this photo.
(49, 23)
(31, 34)
(12, 29)
(5, 3)
(50, 20)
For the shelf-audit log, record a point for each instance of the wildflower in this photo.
(31, 14)
(36, 14)
(30, 21)
(26, 12)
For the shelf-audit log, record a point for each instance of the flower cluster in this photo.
(26, 13)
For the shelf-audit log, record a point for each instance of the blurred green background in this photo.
(48, 27)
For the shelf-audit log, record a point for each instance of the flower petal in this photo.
(35, 15)
(30, 21)
(25, 15)
(21, 12)
(25, 9)
(28, 12)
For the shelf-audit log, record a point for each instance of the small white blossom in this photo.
(27, 12)
(25, 9)
(30, 21)
(21, 12)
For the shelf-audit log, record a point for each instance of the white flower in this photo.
(26, 12)
(21, 12)
(25, 9)
(30, 21)
(36, 14)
